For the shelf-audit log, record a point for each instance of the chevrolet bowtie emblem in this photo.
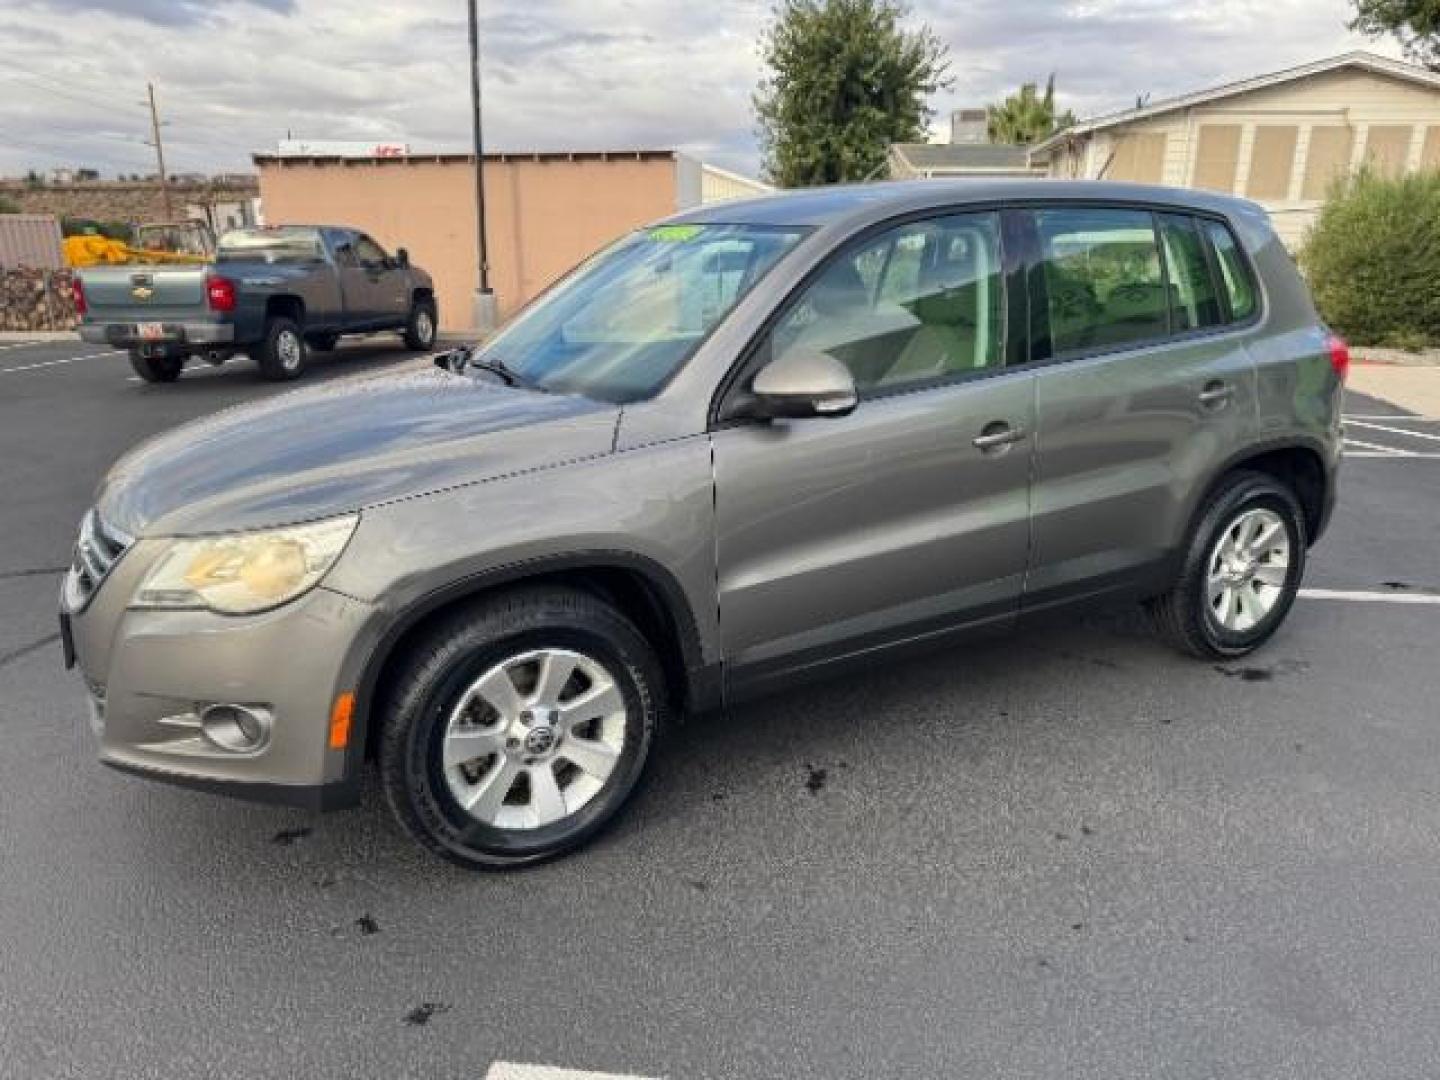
(142, 292)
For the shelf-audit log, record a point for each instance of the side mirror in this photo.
(453, 360)
(402, 257)
(804, 382)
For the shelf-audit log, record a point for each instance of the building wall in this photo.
(1391, 122)
(128, 201)
(720, 185)
(542, 215)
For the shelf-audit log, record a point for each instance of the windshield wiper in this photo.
(467, 357)
(495, 367)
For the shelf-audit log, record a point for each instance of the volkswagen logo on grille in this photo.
(540, 740)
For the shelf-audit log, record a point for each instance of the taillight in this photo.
(220, 293)
(1339, 356)
(77, 293)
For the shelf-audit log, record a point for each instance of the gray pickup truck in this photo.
(273, 293)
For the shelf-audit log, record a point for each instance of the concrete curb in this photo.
(16, 337)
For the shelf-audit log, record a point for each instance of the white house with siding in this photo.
(1279, 139)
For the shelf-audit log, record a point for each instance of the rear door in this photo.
(838, 535)
(1148, 390)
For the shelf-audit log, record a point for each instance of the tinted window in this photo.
(369, 252)
(1239, 286)
(1102, 276)
(622, 322)
(1193, 303)
(920, 302)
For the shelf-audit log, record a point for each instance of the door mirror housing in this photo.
(803, 383)
(454, 361)
(402, 257)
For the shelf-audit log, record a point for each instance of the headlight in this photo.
(244, 572)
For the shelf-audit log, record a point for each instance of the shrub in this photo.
(1373, 260)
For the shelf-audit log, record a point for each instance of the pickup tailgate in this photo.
(143, 293)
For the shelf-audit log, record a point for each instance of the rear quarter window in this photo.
(1237, 284)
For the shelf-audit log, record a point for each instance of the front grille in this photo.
(97, 549)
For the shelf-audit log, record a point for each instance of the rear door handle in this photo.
(1216, 393)
(997, 435)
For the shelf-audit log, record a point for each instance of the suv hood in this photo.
(333, 449)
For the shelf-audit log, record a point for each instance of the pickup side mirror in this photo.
(402, 257)
(803, 383)
(453, 360)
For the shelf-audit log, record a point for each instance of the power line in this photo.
(67, 93)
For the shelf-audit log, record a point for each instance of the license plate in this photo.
(150, 331)
(67, 641)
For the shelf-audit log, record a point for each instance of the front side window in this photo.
(1239, 285)
(622, 323)
(1103, 277)
(920, 302)
(1193, 302)
(369, 253)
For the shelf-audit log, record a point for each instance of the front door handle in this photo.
(996, 436)
(1216, 393)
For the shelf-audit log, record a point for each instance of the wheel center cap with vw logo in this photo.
(540, 740)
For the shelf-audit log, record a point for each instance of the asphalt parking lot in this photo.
(1068, 853)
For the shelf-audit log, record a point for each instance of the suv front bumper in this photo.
(150, 675)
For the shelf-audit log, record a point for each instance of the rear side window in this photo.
(1103, 277)
(1234, 273)
(1193, 301)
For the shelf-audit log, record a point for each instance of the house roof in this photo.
(1365, 61)
(958, 157)
(446, 157)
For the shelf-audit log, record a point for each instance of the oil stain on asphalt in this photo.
(426, 1011)
(289, 836)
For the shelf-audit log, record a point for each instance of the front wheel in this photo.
(282, 353)
(156, 369)
(519, 727)
(1241, 572)
(420, 326)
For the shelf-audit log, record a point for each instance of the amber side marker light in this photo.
(340, 714)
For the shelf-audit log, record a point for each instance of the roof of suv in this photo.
(843, 202)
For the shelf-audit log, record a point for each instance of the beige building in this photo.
(1279, 139)
(544, 212)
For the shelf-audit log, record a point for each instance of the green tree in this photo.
(844, 81)
(8, 205)
(1416, 23)
(1027, 116)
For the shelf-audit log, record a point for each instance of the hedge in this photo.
(1373, 260)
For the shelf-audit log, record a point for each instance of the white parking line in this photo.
(20, 345)
(505, 1070)
(1349, 442)
(1368, 426)
(1396, 416)
(62, 360)
(1362, 596)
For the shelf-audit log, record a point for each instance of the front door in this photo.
(384, 281)
(909, 516)
(1148, 393)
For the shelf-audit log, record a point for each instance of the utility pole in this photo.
(159, 150)
(485, 310)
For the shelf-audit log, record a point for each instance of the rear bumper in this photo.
(125, 335)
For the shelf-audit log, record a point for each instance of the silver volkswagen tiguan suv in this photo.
(736, 448)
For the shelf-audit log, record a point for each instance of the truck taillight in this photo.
(1339, 356)
(77, 292)
(220, 293)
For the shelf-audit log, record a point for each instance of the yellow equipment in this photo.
(160, 242)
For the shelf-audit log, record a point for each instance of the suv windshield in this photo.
(283, 244)
(623, 322)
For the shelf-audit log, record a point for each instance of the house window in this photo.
(1138, 157)
(1328, 160)
(1217, 154)
(1386, 148)
(1272, 161)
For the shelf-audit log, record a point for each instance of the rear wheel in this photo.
(420, 326)
(1241, 572)
(519, 727)
(281, 354)
(156, 369)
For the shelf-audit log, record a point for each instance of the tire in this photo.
(420, 326)
(157, 369)
(282, 354)
(496, 650)
(323, 342)
(1219, 609)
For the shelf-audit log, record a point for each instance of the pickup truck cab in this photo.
(274, 293)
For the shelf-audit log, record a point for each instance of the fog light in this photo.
(241, 729)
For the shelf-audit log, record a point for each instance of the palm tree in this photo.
(1027, 116)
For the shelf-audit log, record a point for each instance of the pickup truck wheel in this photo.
(420, 326)
(281, 355)
(1241, 572)
(519, 726)
(156, 369)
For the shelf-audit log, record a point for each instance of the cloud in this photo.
(233, 76)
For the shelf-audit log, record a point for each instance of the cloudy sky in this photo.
(234, 76)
